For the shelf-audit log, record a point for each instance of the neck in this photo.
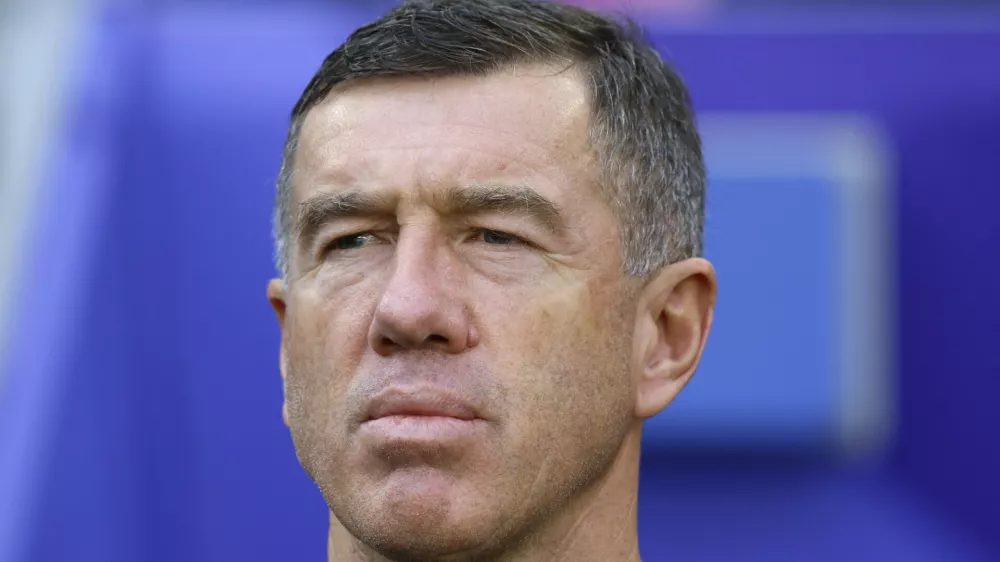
(599, 525)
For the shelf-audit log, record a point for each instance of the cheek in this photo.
(326, 339)
(573, 359)
(330, 320)
(569, 388)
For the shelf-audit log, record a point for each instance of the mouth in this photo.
(423, 416)
(427, 403)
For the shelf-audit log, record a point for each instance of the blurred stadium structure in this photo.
(845, 409)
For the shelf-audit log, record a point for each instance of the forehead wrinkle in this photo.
(357, 107)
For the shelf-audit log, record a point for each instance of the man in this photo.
(488, 224)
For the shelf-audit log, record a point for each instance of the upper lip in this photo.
(420, 402)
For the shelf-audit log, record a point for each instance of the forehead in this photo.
(528, 122)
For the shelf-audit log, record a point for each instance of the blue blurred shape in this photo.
(797, 228)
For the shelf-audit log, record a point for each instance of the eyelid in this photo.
(343, 229)
(517, 239)
(366, 235)
(327, 244)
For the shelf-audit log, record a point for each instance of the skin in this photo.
(532, 322)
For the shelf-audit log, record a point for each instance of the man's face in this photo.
(456, 326)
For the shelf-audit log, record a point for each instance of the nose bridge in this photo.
(421, 304)
(417, 264)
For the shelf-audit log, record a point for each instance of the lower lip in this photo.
(420, 428)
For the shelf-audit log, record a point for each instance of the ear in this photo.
(277, 293)
(672, 325)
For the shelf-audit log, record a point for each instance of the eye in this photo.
(351, 242)
(500, 238)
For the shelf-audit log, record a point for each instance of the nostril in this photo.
(437, 338)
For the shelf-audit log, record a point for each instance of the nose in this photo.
(422, 306)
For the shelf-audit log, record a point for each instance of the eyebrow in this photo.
(505, 199)
(325, 208)
(491, 197)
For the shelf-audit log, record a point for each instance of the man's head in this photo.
(488, 223)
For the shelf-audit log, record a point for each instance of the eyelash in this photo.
(333, 243)
(480, 233)
(514, 240)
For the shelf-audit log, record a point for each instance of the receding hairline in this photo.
(555, 64)
(548, 68)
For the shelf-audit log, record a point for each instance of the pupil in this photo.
(491, 237)
(350, 242)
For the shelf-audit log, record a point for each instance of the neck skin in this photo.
(599, 525)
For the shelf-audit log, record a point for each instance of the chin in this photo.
(421, 515)
(409, 545)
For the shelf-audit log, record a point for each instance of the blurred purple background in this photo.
(846, 408)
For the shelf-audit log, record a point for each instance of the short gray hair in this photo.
(643, 124)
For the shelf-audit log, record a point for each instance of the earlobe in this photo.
(672, 326)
